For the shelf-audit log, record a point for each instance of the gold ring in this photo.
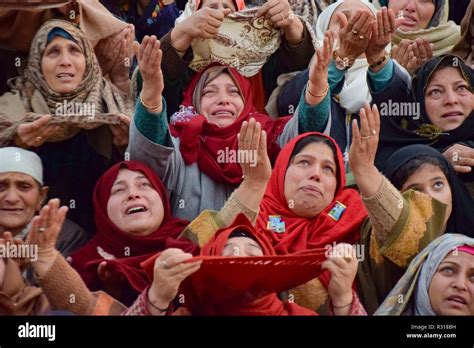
(374, 132)
(355, 32)
(39, 139)
(365, 138)
(282, 16)
(41, 229)
(362, 37)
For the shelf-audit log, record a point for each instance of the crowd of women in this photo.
(231, 157)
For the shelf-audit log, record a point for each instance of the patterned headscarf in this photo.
(93, 89)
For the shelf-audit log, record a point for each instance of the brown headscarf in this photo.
(31, 93)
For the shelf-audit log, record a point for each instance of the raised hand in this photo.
(149, 57)
(112, 282)
(363, 150)
(342, 264)
(412, 54)
(256, 167)
(383, 30)
(318, 71)
(36, 133)
(169, 271)
(354, 35)
(46, 226)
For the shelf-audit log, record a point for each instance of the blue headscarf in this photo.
(57, 31)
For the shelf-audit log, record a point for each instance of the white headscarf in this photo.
(15, 159)
(355, 92)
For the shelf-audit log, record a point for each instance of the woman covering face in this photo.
(133, 219)
(439, 281)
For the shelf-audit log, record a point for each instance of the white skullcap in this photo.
(15, 159)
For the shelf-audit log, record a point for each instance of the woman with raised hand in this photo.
(196, 156)
(362, 35)
(403, 222)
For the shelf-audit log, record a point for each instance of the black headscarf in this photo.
(397, 132)
(462, 215)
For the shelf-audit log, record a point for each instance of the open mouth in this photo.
(409, 20)
(66, 77)
(136, 209)
(223, 113)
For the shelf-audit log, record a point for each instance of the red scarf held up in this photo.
(129, 250)
(245, 285)
(303, 234)
(201, 141)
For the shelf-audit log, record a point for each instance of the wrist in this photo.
(346, 56)
(294, 32)
(342, 301)
(156, 303)
(180, 40)
(373, 58)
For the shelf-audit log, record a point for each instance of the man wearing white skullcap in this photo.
(22, 194)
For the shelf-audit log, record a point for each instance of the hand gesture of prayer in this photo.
(412, 54)
(255, 164)
(149, 57)
(169, 271)
(363, 150)
(112, 282)
(342, 263)
(317, 86)
(383, 30)
(44, 232)
(36, 133)
(354, 35)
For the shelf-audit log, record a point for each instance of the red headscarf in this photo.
(200, 141)
(129, 251)
(302, 234)
(248, 295)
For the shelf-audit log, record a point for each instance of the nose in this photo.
(133, 193)
(223, 99)
(460, 282)
(65, 60)
(410, 6)
(315, 174)
(11, 196)
(451, 97)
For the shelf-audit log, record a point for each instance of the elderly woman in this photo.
(436, 109)
(61, 82)
(439, 281)
(424, 31)
(196, 156)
